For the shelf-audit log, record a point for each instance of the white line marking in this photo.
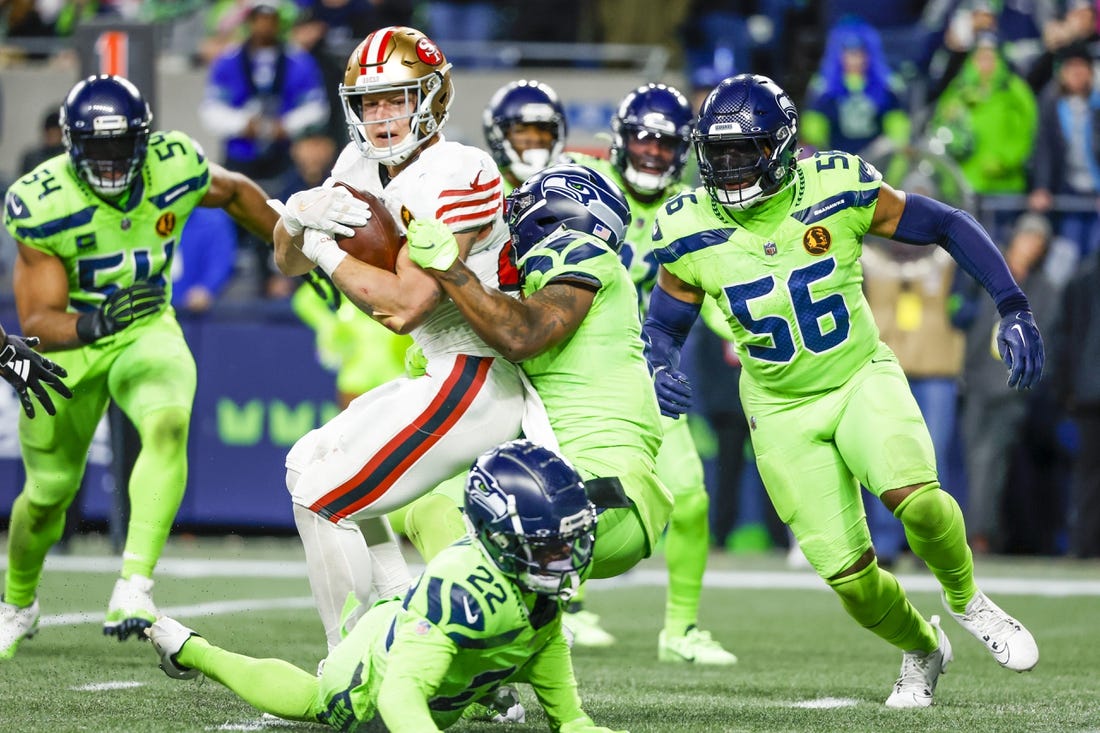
(826, 703)
(104, 686)
(750, 579)
(214, 608)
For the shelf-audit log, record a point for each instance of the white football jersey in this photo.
(461, 186)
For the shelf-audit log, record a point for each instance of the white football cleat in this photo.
(1007, 640)
(131, 608)
(168, 637)
(16, 624)
(919, 673)
(505, 704)
(585, 629)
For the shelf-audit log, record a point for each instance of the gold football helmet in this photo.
(397, 59)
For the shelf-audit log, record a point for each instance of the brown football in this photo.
(376, 242)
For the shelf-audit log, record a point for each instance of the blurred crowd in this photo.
(992, 105)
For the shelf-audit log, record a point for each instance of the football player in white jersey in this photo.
(400, 440)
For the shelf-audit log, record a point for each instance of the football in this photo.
(376, 242)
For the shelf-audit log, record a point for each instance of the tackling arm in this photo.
(518, 329)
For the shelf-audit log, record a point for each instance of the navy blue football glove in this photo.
(673, 391)
(1021, 349)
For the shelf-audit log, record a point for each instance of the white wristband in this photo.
(323, 250)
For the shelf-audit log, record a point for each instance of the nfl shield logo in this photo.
(770, 249)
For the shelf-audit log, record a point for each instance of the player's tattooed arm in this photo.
(518, 329)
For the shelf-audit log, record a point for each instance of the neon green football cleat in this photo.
(695, 647)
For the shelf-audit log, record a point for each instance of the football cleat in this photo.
(501, 706)
(695, 646)
(131, 609)
(168, 637)
(16, 624)
(583, 628)
(1007, 640)
(919, 673)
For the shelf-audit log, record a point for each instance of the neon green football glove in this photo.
(431, 244)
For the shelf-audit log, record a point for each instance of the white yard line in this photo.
(213, 608)
(748, 579)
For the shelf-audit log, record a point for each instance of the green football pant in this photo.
(150, 374)
(813, 453)
(687, 540)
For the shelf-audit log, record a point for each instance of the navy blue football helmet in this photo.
(528, 509)
(105, 125)
(567, 196)
(745, 140)
(528, 102)
(653, 112)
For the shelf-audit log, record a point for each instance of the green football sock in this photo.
(156, 489)
(432, 523)
(937, 534)
(687, 543)
(271, 685)
(32, 532)
(874, 598)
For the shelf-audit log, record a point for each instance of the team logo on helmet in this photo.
(817, 240)
(166, 224)
(428, 52)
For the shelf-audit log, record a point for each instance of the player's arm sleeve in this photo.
(550, 674)
(417, 662)
(925, 220)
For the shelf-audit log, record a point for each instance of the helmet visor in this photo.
(736, 162)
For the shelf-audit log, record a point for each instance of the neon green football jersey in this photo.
(105, 246)
(461, 632)
(785, 272)
(595, 384)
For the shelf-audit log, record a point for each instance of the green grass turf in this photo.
(794, 646)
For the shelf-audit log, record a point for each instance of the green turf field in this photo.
(804, 666)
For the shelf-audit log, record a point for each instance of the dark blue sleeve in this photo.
(927, 221)
(667, 324)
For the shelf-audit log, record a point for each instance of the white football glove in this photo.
(322, 250)
(333, 211)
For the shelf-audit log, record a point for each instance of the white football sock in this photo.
(338, 563)
(389, 570)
